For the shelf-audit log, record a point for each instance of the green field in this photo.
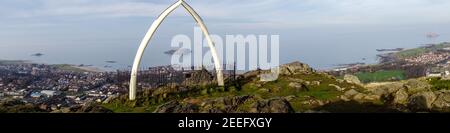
(380, 76)
(5, 62)
(419, 51)
(67, 67)
(412, 52)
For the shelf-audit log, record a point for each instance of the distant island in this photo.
(177, 51)
(111, 61)
(37, 54)
(395, 49)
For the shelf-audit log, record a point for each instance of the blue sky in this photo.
(300, 23)
(276, 13)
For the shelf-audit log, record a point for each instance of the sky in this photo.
(309, 29)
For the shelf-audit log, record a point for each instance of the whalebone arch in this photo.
(151, 32)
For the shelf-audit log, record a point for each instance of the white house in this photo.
(50, 93)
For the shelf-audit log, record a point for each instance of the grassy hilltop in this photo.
(298, 89)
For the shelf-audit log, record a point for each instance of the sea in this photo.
(320, 47)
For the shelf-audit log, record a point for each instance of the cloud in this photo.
(86, 8)
(257, 13)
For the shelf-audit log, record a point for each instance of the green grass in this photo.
(67, 67)
(419, 51)
(411, 52)
(119, 107)
(439, 84)
(380, 76)
(6, 62)
(278, 88)
(320, 92)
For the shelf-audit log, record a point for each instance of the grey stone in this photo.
(337, 87)
(422, 100)
(352, 79)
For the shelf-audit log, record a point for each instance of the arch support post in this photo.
(149, 35)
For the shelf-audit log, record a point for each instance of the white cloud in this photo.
(267, 13)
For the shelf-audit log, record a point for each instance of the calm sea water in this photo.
(322, 48)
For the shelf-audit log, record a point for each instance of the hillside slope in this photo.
(298, 89)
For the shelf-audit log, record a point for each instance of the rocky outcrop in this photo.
(219, 105)
(422, 100)
(176, 107)
(386, 90)
(16, 106)
(352, 79)
(414, 86)
(350, 93)
(338, 88)
(315, 102)
(443, 100)
(298, 86)
(276, 105)
(358, 96)
(90, 108)
(237, 104)
(412, 95)
(200, 77)
(401, 97)
(295, 68)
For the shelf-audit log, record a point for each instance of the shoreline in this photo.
(85, 68)
(61, 66)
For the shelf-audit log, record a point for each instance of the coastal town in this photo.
(53, 87)
(431, 60)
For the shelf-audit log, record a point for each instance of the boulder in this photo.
(307, 83)
(442, 101)
(415, 86)
(352, 79)
(200, 77)
(295, 68)
(316, 83)
(267, 77)
(359, 96)
(340, 80)
(298, 86)
(386, 90)
(338, 88)
(344, 98)
(276, 105)
(351, 93)
(422, 100)
(65, 110)
(371, 97)
(299, 81)
(216, 105)
(56, 111)
(401, 97)
(313, 102)
(111, 98)
(176, 107)
(93, 108)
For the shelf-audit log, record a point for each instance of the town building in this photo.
(50, 93)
